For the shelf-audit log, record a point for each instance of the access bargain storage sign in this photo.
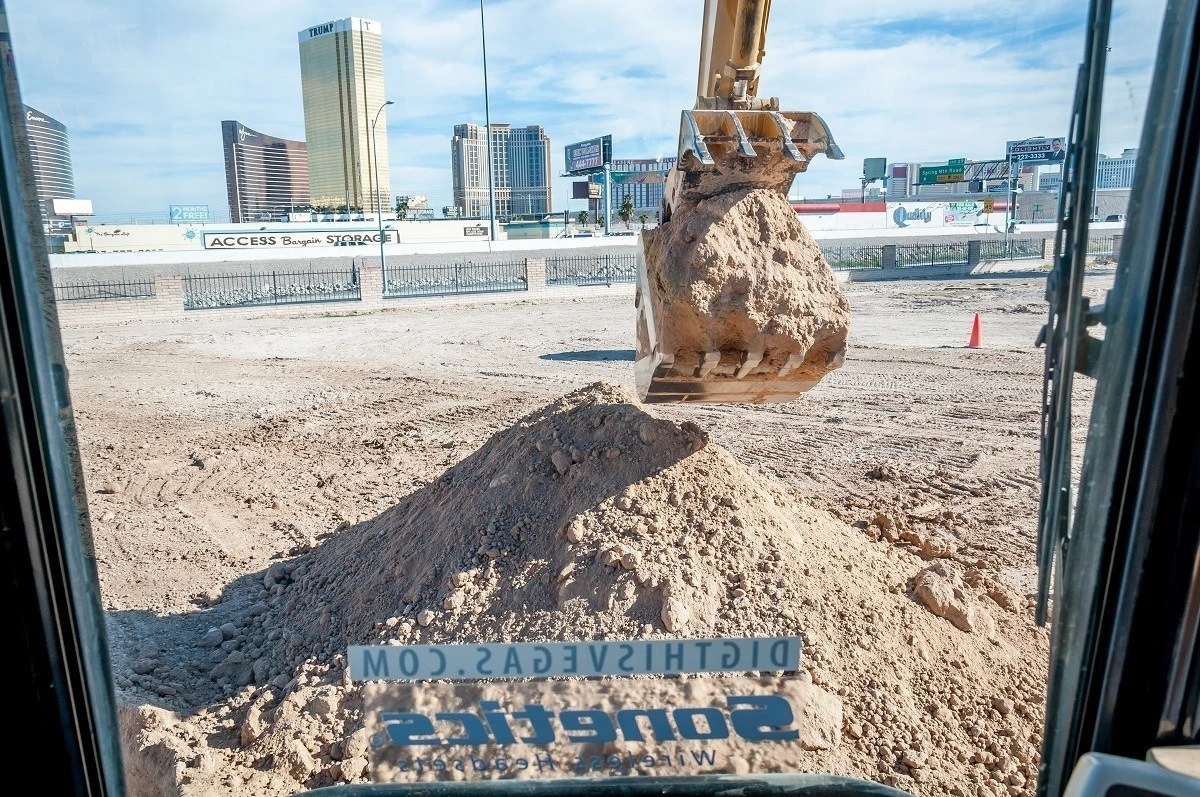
(294, 239)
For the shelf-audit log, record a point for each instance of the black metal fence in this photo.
(1100, 246)
(591, 269)
(1012, 249)
(455, 278)
(845, 258)
(944, 254)
(209, 291)
(84, 290)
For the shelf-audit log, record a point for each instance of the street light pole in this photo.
(1012, 193)
(487, 118)
(1013, 178)
(378, 188)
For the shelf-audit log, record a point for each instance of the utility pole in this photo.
(487, 118)
(607, 194)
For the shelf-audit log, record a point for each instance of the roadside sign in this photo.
(874, 168)
(952, 172)
(188, 212)
(588, 157)
(1037, 151)
(989, 204)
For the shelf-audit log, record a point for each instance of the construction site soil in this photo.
(266, 490)
(737, 272)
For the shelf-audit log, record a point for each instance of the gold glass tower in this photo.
(341, 76)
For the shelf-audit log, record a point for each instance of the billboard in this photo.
(188, 212)
(1037, 151)
(579, 190)
(588, 157)
(874, 168)
(962, 214)
(72, 207)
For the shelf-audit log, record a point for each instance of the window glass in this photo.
(373, 490)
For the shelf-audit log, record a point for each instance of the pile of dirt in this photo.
(737, 272)
(591, 519)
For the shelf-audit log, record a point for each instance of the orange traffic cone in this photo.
(976, 341)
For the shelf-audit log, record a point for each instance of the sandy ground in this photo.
(217, 443)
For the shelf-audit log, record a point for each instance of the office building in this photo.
(1050, 181)
(341, 76)
(265, 176)
(520, 170)
(640, 178)
(50, 151)
(1116, 172)
(529, 171)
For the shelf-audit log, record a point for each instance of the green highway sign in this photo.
(952, 172)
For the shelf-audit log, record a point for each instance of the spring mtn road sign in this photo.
(952, 172)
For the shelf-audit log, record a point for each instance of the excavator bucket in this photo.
(730, 324)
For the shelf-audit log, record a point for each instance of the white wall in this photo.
(189, 237)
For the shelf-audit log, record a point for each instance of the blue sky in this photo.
(143, 86)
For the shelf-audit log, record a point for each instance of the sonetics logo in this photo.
(755, 718)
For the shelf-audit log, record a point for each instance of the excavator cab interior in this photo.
(1119, 536)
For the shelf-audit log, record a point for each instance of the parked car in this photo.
(1115, 217)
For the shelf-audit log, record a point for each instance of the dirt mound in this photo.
(589, 519)
(738, 272)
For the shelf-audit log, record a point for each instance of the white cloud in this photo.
(143, 85)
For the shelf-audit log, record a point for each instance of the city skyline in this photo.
(142, 139)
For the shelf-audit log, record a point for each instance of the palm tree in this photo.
(582, 218)
(643, 218)
(626, 211)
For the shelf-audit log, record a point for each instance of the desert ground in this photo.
(218, 445)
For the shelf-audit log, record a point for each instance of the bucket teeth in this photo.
(708, 361)
(744, 147)
(750, 361)
(790, 148)
(793, 362)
